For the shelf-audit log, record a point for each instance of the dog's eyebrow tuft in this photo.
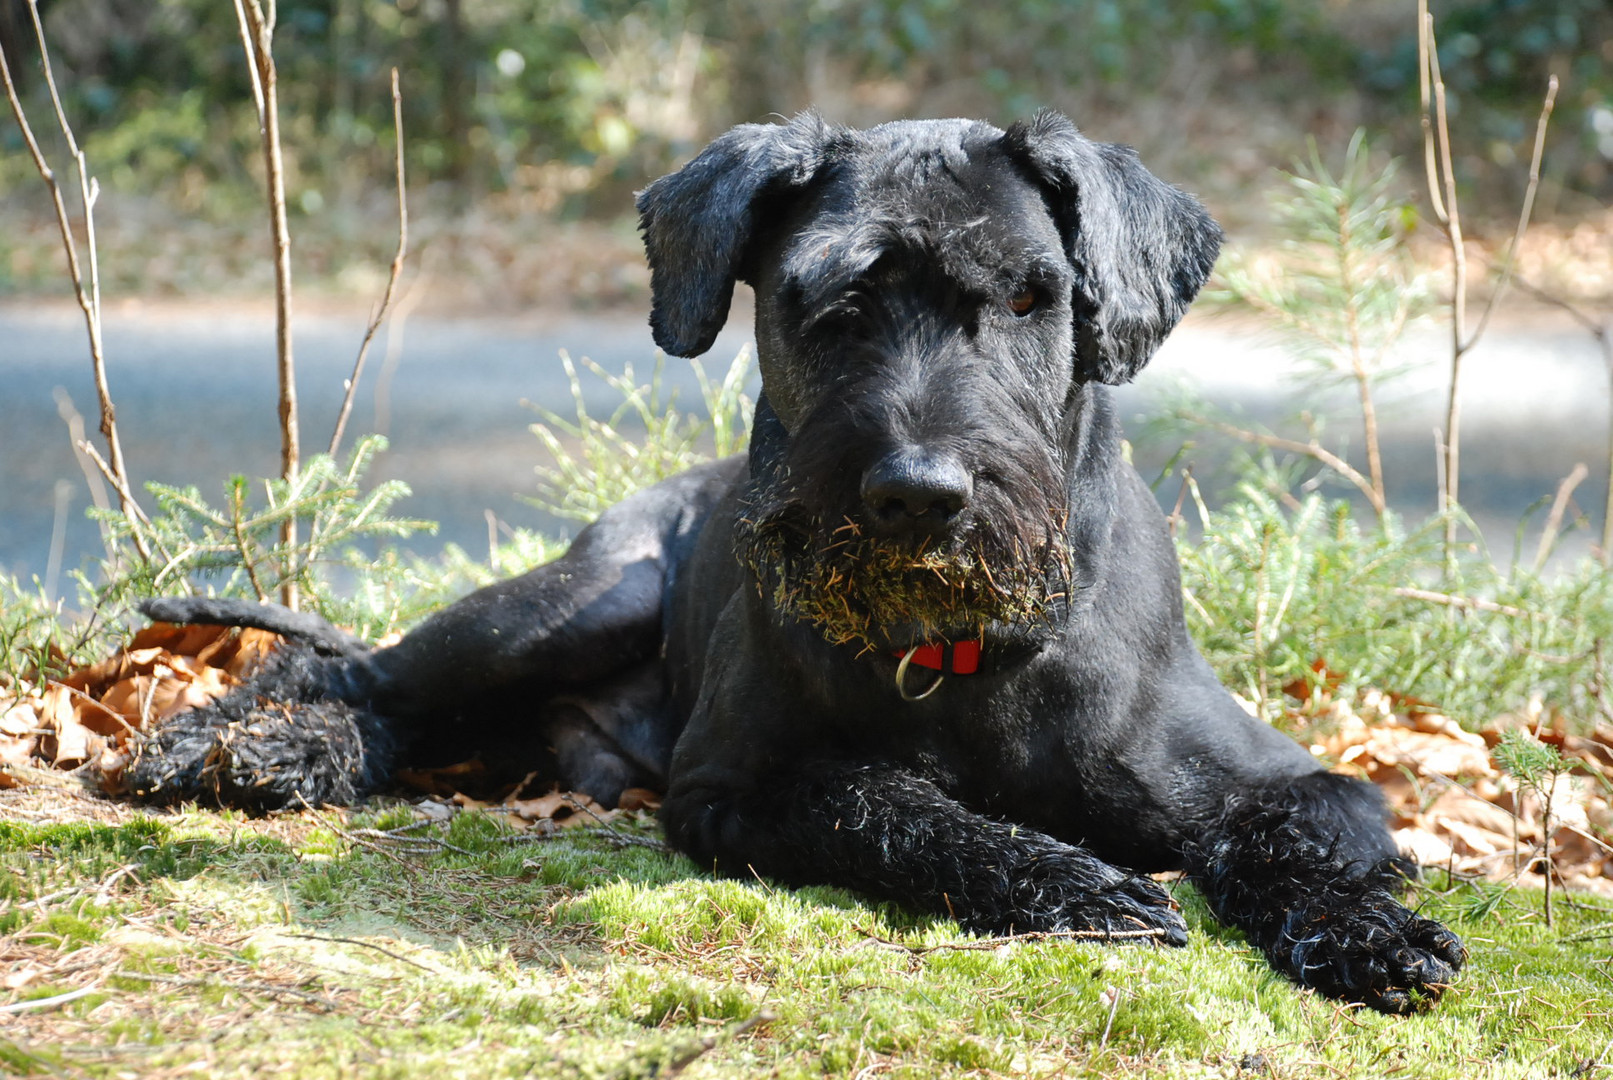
(833, 256)
(836, 254)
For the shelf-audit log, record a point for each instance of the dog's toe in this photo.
(1387, 959)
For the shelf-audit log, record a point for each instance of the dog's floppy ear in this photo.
(698, 223)
(1141, 249)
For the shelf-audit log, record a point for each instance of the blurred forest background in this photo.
(530, 122)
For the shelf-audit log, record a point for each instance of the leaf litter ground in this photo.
(468, 932)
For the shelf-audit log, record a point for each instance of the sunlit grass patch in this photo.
(231, 946)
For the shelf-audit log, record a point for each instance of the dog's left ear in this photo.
(1141, 249)
(698, 223)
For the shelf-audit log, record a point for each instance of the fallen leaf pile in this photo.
(1453, 806)
(87, 723)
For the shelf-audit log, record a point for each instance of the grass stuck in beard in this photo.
(879, 594)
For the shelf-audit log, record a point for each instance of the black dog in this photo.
(927, 641)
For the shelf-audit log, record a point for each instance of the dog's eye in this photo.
(1023, 302)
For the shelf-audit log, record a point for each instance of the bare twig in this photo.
(1509, 259)
(688, 1057)
(368, 945)
(991, 944)
(257, 33)
(612, 833)
(1312, 449)
(1113, 994)
(89, 297)
(92, 479)
(1436, 134)
(251, 62)
(1554, 520)
(1358, 361)
(1425, 30)
(325, 1003)
(1601, 329)
(392, 282)
(1451, 218)
(50, 1002)
(1466, 603)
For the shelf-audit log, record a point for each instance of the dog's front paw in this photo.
(1382, 956)
(1085, 897)
(1135, 908)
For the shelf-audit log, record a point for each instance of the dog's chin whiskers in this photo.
(882, 594)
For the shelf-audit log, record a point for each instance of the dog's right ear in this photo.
(698, 223)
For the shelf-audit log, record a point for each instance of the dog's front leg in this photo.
(883, 830)
(1308, 871)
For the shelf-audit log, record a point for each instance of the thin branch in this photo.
(251, 60)
(258, 32)
(1601, 329)
(1559, 506)
(368, 945)
(991, 944)
(1358, 365)
(53, 1002)
(1453, 235)
(392, 282)
(89, 300)
(1509, 259)
(1465, 603)
(323, 1002)
(1312, 449)
(1425, 32)
(87, 448)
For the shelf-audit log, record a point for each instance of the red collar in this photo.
(962, 658)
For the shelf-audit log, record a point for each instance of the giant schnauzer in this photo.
(926, 640)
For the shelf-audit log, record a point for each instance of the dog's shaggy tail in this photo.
(302, 626)
(286, 738)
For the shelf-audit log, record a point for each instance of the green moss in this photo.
(571, 957)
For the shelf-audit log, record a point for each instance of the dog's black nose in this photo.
(912, 488)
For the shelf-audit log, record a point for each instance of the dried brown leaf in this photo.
(19, 717)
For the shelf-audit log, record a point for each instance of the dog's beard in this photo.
(883, 594)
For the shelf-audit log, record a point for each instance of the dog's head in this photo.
(930, 296)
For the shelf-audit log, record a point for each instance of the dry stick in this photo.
(1358, 365)
(1559, 506)
(689, 1056)
(49, 1002)
(1450, 216)
(258, 35)
(88, 300)
(1472, 603)
(323, 1002)
(1311, 449)
(75, 434)
(1601, 329)
(1425, 30)
(1509, 260)
(1452, 220)
(990, 944)
(368, 945)
(392, 282)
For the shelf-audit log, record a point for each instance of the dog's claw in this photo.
(1394, 969)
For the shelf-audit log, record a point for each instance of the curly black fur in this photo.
(280, 740)
(889, 833)
(1322, 906)
(939, 307)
